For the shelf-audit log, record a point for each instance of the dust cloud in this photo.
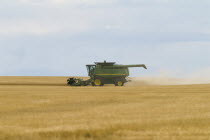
(162, 80)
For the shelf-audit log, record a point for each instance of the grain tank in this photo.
(102, 73)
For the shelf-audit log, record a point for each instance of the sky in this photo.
(59, 37)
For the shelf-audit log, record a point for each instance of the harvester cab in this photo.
(102, 73)
(91, 69)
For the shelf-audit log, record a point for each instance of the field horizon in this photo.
(46, 108)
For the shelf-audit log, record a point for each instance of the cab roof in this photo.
(102, 63)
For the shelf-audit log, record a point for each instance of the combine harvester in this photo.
(102, 73)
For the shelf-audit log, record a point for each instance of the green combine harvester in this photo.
(102, 73)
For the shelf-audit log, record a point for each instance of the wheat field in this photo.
(33, 108)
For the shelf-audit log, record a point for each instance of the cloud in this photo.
(13, 27)
(25, 27)
(75, 16)
(69, 2)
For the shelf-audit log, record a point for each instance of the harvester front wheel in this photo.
(119, 83)
(98, 82)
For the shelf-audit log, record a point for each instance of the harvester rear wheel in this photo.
(119, 83)
(98, 82)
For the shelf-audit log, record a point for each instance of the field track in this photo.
(33, 108)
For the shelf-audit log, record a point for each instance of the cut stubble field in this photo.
(33, 108)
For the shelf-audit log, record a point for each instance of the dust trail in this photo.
(162, 80)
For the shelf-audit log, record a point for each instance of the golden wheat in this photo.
(45, 108)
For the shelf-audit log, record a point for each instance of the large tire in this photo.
(119, 82)
(98, 82)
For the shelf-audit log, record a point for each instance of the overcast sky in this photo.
(59, 37)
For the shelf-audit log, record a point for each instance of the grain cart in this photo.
(102, 73)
